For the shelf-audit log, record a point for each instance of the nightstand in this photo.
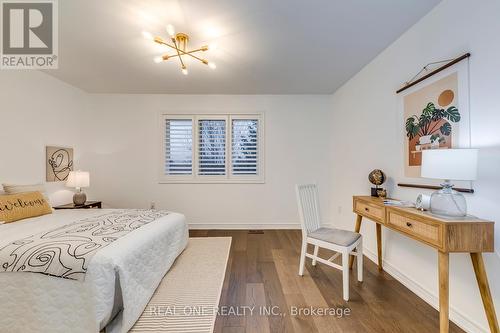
(88, 204)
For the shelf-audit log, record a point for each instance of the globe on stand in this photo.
(376, 177)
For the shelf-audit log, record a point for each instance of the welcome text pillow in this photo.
(14, 207)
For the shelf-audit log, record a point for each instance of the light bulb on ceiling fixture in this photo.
(185, 71)
(212, 65)
(147, 35)
(158, 59)
(212, 47)
(170, 30)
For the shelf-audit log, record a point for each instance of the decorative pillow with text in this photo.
(14, 207)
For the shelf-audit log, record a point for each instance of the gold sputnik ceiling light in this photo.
(179, 42)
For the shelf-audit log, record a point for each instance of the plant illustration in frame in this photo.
(433, 119)
(432, 127)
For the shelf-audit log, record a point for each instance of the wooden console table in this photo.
(469, 235)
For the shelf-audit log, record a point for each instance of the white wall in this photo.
(116, 138)
(367, 134)
(37, 110)
(122, 154)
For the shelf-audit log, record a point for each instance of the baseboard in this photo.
(455, 316)
(243, 226)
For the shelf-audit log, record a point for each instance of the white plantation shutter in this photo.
(218, 148)
(245, 147)
(178, 146)
(211, 147)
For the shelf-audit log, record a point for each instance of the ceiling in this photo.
(264, 46)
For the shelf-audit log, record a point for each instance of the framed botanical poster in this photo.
(436, 115)
(58, 163)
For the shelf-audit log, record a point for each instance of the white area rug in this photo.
(188, 296)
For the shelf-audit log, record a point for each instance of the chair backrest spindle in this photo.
(308, 202)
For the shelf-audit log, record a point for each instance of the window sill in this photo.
(211, 181)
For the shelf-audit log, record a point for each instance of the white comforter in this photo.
(118, 285)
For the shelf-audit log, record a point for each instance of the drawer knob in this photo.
(408, 224)
(366, 208)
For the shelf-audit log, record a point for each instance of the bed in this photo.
(119, 281)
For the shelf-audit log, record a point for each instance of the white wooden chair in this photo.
(343, 242)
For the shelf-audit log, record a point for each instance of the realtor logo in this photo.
(29, 34)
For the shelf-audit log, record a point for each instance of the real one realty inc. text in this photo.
(160, 311)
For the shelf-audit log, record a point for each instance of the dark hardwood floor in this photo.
(262, 272)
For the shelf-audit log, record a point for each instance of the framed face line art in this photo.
(58, 163)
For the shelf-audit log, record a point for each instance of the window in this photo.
(179, 146)
(212, 148)
(244, 147)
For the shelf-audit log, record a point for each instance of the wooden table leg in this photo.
(379, 246)
(484, 288)
(357, 227)
(444, 279)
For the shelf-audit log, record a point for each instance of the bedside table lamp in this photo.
(78, 179)
(449, 164)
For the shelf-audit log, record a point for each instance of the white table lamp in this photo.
(78, 179)
(449, 164)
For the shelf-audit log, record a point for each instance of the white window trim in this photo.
(194, 178)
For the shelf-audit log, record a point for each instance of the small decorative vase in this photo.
(382, 193)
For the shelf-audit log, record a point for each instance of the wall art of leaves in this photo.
(429, 122)
(435, 117)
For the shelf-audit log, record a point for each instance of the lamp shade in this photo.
(78, 179)
(452, 164)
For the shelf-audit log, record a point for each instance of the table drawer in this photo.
(370, 211)
(427, 232)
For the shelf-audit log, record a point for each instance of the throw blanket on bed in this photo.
(66, 251)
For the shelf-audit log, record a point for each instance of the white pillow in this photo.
(16, 188)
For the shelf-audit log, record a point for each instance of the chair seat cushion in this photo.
(335, 236)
